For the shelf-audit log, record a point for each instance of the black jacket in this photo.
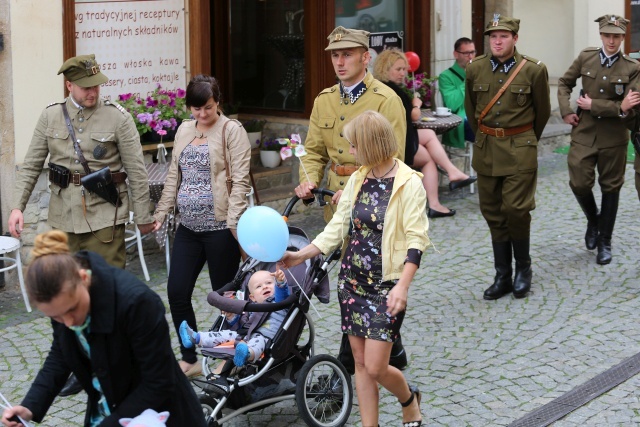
(131, 354)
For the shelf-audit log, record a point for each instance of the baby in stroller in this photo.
(263, 286)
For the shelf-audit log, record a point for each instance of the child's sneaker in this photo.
(242, 354)
(188, 337)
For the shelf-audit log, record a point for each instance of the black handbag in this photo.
(101, 183)
(397, 359)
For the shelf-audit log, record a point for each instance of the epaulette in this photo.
(532, 60)
(591, 49)
(329, 90)
(478, 58)
(630, 59)
(56, 103)
(118, 106)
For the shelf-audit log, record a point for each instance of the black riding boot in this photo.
(522, 281)
(502, 283)
(590, 209)
(608, 212)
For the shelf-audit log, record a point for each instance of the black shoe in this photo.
(454, 185)
(435, 214)
(71, 387)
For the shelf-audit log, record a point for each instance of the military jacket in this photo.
(325, 141)
(606, 86)
(108, 137)
(526, 101)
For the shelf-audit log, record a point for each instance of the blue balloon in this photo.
(263, 233)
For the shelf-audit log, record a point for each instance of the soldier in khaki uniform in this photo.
(599, 137)
(107, 137)
(357, 92)
(505, 153)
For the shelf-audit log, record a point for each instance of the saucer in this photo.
(442, 115)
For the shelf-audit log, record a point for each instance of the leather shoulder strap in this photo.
(72, 134)
(501, 91)
(227, 169)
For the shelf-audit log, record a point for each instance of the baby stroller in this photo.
(289, 369)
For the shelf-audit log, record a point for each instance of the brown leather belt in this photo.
(502, 132)
(116, 177)
(344, 170)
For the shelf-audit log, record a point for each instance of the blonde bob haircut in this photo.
(384, 61)
(372, 136)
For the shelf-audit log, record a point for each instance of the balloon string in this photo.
(413, 75)
(304, 293)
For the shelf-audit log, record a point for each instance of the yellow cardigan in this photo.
(405, 224)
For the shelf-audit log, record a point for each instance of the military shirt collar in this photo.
(77, 112)
(353, 92)
(608, 61)
(505, 66)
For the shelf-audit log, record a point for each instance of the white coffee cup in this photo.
(443, 111)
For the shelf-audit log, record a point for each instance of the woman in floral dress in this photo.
(384, 204)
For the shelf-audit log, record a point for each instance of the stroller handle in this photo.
(294, 200)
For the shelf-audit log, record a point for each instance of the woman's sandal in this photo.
(415, 393)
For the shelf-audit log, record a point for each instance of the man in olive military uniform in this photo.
(506, 148)
(107, 137)
(356, 92)
(599, 137)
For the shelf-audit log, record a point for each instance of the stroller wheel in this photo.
(324, 394)
(208, 404)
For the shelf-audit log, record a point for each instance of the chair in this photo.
(133, 237)
(11, 244)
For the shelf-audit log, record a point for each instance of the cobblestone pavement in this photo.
(477, 363)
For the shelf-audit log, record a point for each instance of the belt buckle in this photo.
(498, 131)
(76, 179)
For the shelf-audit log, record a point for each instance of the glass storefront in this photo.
(375, 16)
(267, 54)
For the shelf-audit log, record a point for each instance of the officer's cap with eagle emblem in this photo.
(345, 38)
(83, 70)
(612, 24)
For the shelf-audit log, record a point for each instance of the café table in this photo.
(438, 124)
(441, 124)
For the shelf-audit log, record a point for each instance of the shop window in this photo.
(375, 16)
(267, 54)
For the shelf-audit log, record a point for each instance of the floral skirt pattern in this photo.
(361, 292)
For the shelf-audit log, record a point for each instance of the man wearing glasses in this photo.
(451, 84)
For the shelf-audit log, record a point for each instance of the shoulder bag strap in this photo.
(453, 70)
(501, 91)
(72, 134)
(227, 170)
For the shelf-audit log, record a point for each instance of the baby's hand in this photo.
(279, 275)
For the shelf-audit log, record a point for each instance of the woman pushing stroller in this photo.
(384, 204)
(263, 286)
